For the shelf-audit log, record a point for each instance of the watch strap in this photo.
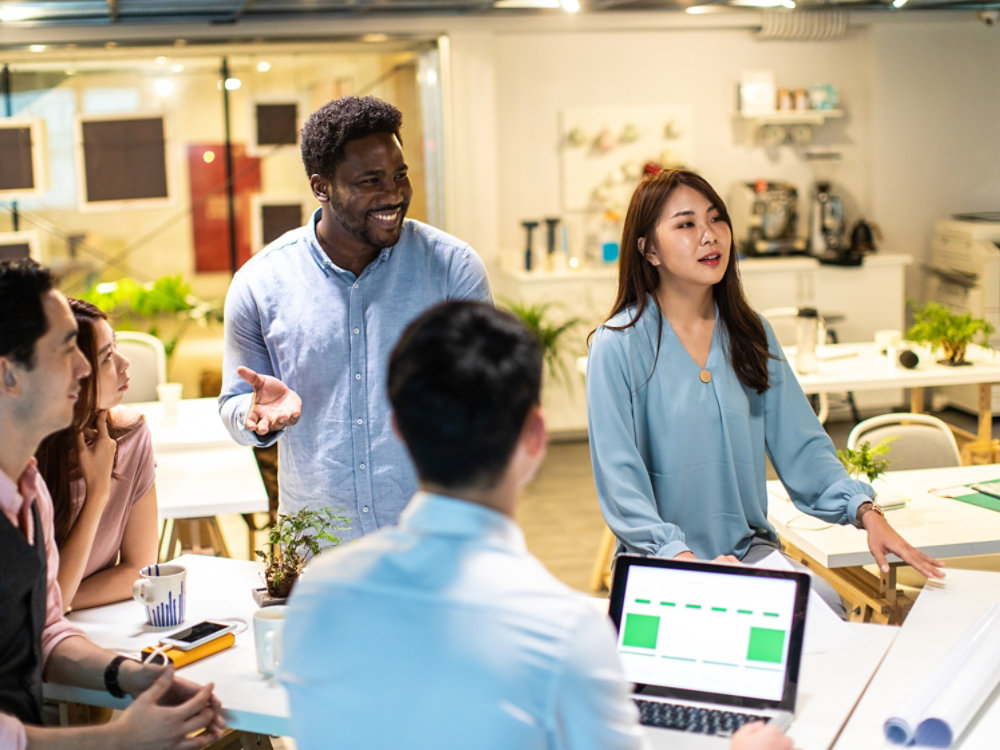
(111, 677)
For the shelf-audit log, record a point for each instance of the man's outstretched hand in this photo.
(275, 405)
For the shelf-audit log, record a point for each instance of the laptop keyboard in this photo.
(692, 718)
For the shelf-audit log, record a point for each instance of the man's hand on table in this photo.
(167, 708)
(882, 539)
(760, 736)
(275, 405)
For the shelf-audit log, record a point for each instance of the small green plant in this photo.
(146, 307)
(293, 541)
(866, 459)
(941, 329)
(551, 335)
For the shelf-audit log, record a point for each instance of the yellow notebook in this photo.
(180, 658)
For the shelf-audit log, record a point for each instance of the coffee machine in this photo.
(826, 228)
(765, 218)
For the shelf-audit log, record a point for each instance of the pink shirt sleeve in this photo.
(12, 735)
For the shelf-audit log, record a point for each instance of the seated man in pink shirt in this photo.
(40, 371)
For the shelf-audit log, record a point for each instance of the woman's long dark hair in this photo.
(58, 460)
(637, 278)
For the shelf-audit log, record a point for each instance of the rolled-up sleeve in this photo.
(624, 488)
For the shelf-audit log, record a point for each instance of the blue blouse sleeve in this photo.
(801, 451)
(624, 489)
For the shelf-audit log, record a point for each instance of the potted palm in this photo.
(551, 333)
(941, 329)
(292, 541)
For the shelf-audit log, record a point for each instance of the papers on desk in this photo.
(940, 708)
(825, 631)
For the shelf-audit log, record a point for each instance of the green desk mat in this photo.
(982, 500)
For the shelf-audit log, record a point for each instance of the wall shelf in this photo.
(793, 117)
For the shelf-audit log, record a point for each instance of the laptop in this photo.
(709, 647)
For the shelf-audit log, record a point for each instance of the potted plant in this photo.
(941, 329)
(292, 541)
(866, 460)
(163, 308)
(551, 334)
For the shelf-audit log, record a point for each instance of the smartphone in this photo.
(196, 635)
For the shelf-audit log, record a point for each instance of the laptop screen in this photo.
(722, 633)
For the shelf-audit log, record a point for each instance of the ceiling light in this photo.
(700, 10)
(520, 4)
(374, 38)
(163, 87)
(570, 6)
(36, 47)
(898, 3)
(11, 13)
(232, 84)
(161, 60)
(263, 66)
(177, 68)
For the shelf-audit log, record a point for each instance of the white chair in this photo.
(921, 441)
(148, 364)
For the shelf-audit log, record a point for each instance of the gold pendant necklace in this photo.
(705, 376)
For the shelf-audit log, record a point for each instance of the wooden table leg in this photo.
(917, 399)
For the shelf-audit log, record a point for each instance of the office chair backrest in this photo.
(922, 441)
(148, 364)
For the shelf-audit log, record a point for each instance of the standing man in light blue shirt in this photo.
(445, 632)
(311, 319)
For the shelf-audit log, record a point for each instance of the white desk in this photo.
(830, 682)
(938, 526)
(940, 616)
(201, 472)
(217, 587)
(859, 367)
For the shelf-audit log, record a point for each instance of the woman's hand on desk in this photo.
(760, 736)
(275, 405)
(722, 559)
(882, 539)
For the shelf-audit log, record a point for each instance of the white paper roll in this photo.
(943, 704)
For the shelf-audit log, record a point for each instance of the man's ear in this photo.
(8, 380)
(320, 188)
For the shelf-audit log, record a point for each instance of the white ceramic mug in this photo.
(161, 589)
(268, 622)
(170, 396)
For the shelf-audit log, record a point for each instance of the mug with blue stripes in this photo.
(161, 589)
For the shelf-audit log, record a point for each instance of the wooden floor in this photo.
(559, 512)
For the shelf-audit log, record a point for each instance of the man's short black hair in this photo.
(462, 380)
(330, 127)
(23, 283)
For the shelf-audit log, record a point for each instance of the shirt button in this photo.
(355, 285)
(361, 466)
(357, 376)
(361, 421)
(357, 330)
(365, 509)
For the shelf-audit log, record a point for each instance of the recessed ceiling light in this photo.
(374, 38)
(263, 66)
(526, 4)
(11, 13)
(36, 47)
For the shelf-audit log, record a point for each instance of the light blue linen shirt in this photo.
(327, 334)
(680, 464)
(444, 632)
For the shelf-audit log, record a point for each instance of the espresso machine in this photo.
(765, 218)
(826, 228)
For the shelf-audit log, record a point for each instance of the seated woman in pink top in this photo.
(100, 473)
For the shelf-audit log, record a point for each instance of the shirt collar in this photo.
(13, 495)
(322, 260)
(450, 516)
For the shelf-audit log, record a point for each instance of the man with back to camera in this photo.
(310, 320)
(40, 372)
(444, 632)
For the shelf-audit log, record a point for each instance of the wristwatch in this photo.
(111, 677)
(867, 506)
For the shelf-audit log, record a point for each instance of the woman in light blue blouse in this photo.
(687, 392)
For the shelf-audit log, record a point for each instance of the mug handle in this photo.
(139, 591)
(272, 650)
